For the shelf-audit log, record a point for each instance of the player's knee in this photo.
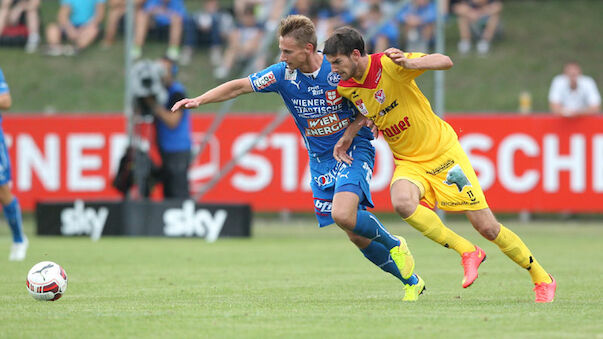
(404, 204)
(344, 219)
(488, 230)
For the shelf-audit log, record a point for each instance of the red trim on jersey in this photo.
(373, 76)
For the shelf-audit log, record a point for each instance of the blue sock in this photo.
(12, 212)
(379, 255)
(368, 226)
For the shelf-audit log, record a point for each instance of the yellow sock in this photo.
(427, 222)
(511, 245)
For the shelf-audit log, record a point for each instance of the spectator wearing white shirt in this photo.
(573, 94)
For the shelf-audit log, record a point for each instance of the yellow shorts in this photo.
(449, 179)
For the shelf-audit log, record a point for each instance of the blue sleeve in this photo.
(3, 84)
(269, 79)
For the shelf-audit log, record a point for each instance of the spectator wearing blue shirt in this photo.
(10, 204)
(164, 15)
(78, 22)
(386, 36)
(418, 18)
(335, 15)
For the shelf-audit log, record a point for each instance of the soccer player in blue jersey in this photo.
(341, 192)
(12, 210)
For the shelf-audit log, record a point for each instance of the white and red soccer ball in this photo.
(46, 281)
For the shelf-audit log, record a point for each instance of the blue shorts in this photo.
(330, 177)
(5, 176)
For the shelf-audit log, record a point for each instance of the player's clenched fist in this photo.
(396, 55)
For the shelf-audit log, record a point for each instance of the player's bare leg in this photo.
(511, 245)
(405, 197)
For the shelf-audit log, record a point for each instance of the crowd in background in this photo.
(233, 33)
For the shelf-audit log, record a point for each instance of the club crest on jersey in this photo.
(264, 81)
(361, 107)
(333, 98)
(333, 78)
(380, 96)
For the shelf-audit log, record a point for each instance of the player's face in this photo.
(295, 55)
(343, 65)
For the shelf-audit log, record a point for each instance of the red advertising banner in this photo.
(533, 163)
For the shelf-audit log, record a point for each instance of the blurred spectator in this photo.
(266, 12)
(480, 18)
(243, 44)
(303, 7)
(117, 9)
(163, 17)
(10, 204)
(173, 129)
(78, 22)
(386, 36)
(573, 94)
(418, 18)
(335, 15)
(12, 13)
(210, 27)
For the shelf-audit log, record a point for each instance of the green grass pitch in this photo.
(296, 281)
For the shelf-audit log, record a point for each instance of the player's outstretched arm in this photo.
(226, 91)
(434, 61)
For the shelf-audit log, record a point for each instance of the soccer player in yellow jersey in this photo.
(431, 166)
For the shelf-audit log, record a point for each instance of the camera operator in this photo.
(155, 92)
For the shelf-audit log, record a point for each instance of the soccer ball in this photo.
(46, 281)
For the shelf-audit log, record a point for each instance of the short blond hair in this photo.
(300, 28)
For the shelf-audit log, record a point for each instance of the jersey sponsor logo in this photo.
(397, 128)
(316, 90)
(388, 108)
(361, 107)
(264, 81)
(333, 78)
(380, 96)
(290, 74)
(322, 206)
(326, 125)
(456, 176)
(333, 98)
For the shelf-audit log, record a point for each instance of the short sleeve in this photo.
(268, 80)
(391, 66)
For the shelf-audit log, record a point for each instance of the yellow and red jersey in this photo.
(388, 95)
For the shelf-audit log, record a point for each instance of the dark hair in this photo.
(344, 41)
(299, 28)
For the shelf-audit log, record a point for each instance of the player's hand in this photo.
(371, 124)
(340, 150)
(185, 103)
(397, 56)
